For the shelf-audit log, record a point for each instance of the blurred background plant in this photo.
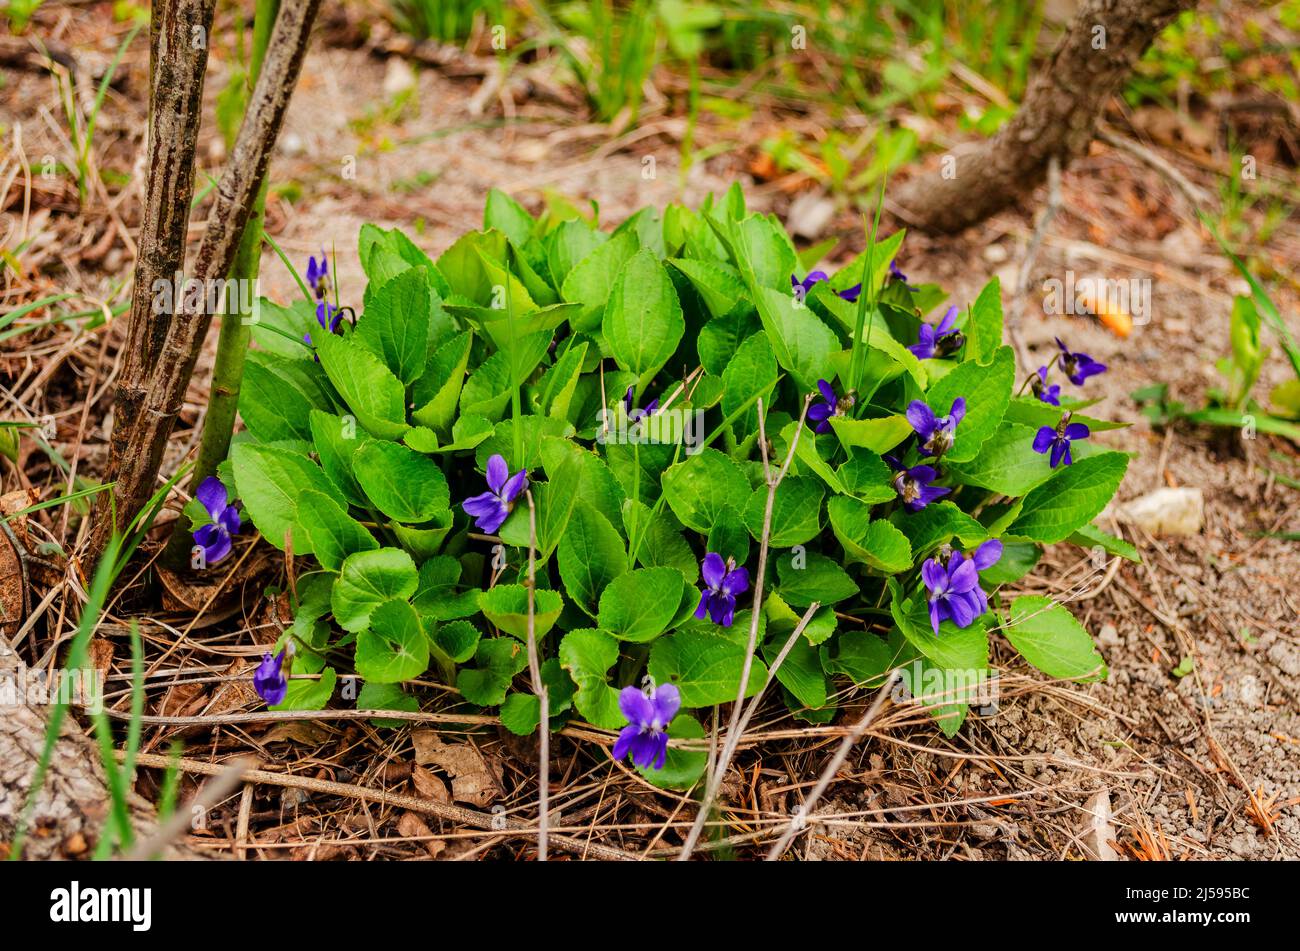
(448, 21)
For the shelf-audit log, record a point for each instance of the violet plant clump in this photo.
(450, 487)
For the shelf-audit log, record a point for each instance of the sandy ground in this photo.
(1183, 760)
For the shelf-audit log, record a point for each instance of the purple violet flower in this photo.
(940, 340)
(722, 582)
(1048, 394)
(648, 715)
(491, 508)
(269, 680)
(897, 275)
(215, 538)
(819, 414)
(816, 277)
(955, 592)
(935, 434)
(317, 274)
(1058, 439)
(1078, 366)
(634, 414)
(913, 485)
(329, 317)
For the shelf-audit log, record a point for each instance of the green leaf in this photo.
(720, 337)
(458, 640)
(394, 648)
(875, 331)
(277, 396)
(987, 390)
(867, 478)
(309, 694)
(705, 667)
(269, 480)
(729, 536)
(532, 431)
(438, 390)
(368, 579)
(488, 389)
(594, 277)
(1007, 463)
(984, 329)
(567, 244)
(591, 555)
(377, 696)
(507, 216)
(859, 655)
(805, 577)
(718, 285)
(506, 607)
(801, 342)
(403, 484)
(1070, 499)
(558, 384)
(800, 672)
(1090, 536)
(935, 524)
(333, 533)
(397, 321)
(438, 596)
(643, 320)
(1051, 638)
(588, 654)
(336, 441)
(658, 538)
(638, 606)
(521, 713)
(878, 544)
(877, 435)
(698, 488)
(750, 374)
(782, 619)
(796, 511)
(496, 662)
(373, 394)
(1018, 559)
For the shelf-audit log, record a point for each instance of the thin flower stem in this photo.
(1029, 379)
(539, 687)
(715, 779)
(800, 819)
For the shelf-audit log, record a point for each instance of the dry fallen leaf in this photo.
(429, 786)
(472, 778)
(412, 825)
(1099, 832)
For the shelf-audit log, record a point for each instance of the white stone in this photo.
(1178, 511)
